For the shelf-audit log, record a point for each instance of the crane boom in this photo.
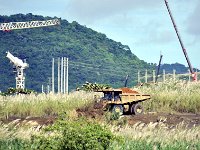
(28, 24)
(181, 43)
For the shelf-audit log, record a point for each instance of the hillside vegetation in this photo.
(92, 56)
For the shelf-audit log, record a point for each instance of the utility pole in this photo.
(174, 74)
(58, 75)
(126, 81)
(163, 75)
(64, 76)
(154, 77)
(158, 70)
(67, 73)
(189, 78)
(146, 76)
(53, 76)
(61, 78)
(42, 88)
(48, 89)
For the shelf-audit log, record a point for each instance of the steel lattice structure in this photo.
(28, 24)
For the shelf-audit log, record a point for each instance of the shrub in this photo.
(94, 86)
(74, 134)
(14, 91)
(14, 144)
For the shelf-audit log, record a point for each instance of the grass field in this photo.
(173, 96)
(42, 104)
(169, 97)
(159, 136)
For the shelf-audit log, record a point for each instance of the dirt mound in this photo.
(128, 90)
(92, 111)
(95, 111)
(98, 106)
(170, 119)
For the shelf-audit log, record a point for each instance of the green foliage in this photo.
(14, 144)
(92, 56)
(14, 91)
(94, 86)
(180, 68)
(111, 116)
(74, 134)
(116, 119)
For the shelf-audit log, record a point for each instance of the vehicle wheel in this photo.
(117, 109)
(136, 109)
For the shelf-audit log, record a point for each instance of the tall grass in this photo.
(139, 136)
(172, 95)
(157, 136)
(12, 130)
(169, 96)
(42, 104)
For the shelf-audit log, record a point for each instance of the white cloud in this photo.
(89, 11)
(194, 22)
(144, 25)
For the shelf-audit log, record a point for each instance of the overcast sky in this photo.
(143, 25)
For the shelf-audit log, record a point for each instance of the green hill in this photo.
(180, 68)
(93, 57)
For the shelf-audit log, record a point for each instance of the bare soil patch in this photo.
(96, 112)
(187, 119)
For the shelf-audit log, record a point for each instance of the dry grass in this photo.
(159, 132)
(173, 96)
(157, 136)
(14, 130)
(42, 104)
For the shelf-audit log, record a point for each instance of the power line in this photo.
(105, 72)
(109, 66)
(101, 68)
